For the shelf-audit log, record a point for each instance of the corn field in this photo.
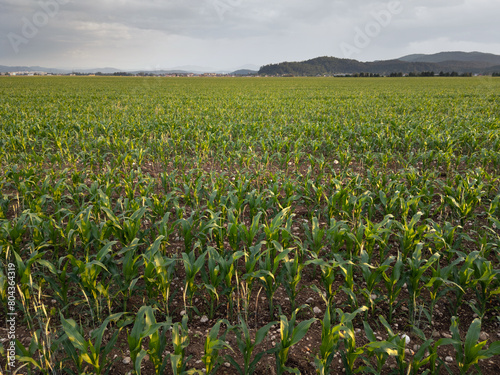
(249, 225)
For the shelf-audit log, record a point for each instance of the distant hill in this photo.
(244, 72)
(7, 69)
(474, 62)
(454, 56)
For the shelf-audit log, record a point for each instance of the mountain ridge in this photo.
(464, 62)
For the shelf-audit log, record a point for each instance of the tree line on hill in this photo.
(347, 67)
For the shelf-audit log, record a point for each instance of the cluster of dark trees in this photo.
(454, 74)
(365, 75)
(422, 74)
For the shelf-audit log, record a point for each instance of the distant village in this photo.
(235, 74)
(122, 74)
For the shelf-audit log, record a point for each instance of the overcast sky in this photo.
(228, 34)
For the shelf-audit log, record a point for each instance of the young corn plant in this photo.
(180, 341)
(246, 347)
(314, 236)
(390, 204)
(213, 345)
(377, 235)
(445, 238)
(439, 284)
(272, 229)
(165, 228)
(463, 277)
(228, 270)
(188, 228)
(250, 234)
(347, 270)
(145, 325)
(192, 266)
(464, 198)
(417, 266)
(291, 334)
(330, 337)
(86, 274)
(128, 228)
(411, 234)
(381, 350)
(394, 284)
(394, 345)
(372, 276)
(90, 351)
(470, 352)
(427, 355)
(351, 353)
(13, 232)
(159, 272)
(268, 272)
(292, 276)
(335, 235)
(487, 284)
(127, 278)
(157, 346)
(212, 279)
(233, 232)
(60, 283)
(329, 271)
(252, 256)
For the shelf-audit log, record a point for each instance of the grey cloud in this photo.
(270, 30)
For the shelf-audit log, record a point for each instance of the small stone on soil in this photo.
(483, 336)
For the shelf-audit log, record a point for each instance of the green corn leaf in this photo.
(71, 329)
(262, 333)
(138, 361)
(472, 337)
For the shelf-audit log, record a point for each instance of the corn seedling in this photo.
(330, 337)
(90, 351)
(192, 266)
(246, 347)
(180, 341)
(470, 352)
(213, 345)
(417, 266)
(291, 334)
(145, 325)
